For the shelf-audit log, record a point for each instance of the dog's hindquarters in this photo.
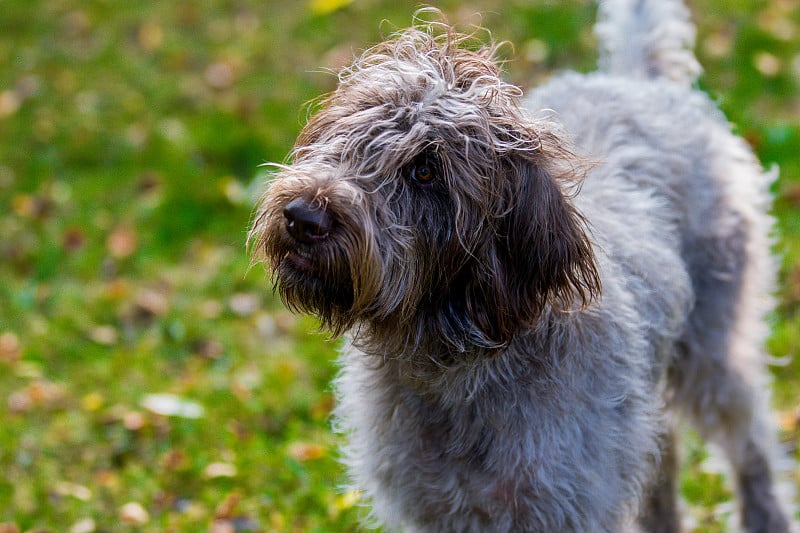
(719, 377)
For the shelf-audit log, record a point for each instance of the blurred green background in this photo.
(149, 380)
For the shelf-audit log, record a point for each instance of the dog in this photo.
(533, 289)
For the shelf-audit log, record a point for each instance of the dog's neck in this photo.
(435, 369)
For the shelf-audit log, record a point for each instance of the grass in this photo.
(131, 136)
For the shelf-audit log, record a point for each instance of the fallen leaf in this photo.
(74, 490)
(220, 75)
(28, 206)
(149, 184)
(108, 479)
(73, 239)
(322, 409)
(117, 289)
(222, 526)
(208, 348)
(227, 507)
(348, 499)
(718, 44)
(323, 7)
(175, 460)
(244, 303)
(265, 325)
(789, 420)
(305, 451)
(10, 347)
(122, 242)
(84, 525)
(234, 191)
(105, 335)
(133, 421)
(210, 309)
(152, 302)
(134, 514)
(767, 64)
(536, 51)
(28, 369)
(192, 510)
(285, 321)
(76, 23)
(171, 405)
(38, 393)
(780, 25)
(10, 103)
(19, 402)
(150, 36)
(277, 521)
(791, 192)
(216, 470)
(343, 502)
(92, 401)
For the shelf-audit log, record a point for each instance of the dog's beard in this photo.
(314, 279)
(313, 287)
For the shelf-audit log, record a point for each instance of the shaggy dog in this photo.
(532, 288)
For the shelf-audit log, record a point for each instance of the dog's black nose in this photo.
(305, 222)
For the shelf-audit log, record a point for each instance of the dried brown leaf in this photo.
(10, 347)
(227, 507)
(122, 242)
(306, 451)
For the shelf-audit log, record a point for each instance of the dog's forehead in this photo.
(403, 96)
(419, 66)
(402, 112)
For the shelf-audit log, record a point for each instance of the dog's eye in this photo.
(422, 170)
(422, 173)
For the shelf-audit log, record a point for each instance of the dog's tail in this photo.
(647, 39)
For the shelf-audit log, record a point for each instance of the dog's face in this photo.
(422, 205)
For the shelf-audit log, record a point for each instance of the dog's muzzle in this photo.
(307, 223)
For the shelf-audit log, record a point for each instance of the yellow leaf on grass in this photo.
(92, 401)
(323, 7)
(347, 500)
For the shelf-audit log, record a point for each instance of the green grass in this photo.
(131, 136)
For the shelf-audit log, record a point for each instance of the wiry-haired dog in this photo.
(530, 285)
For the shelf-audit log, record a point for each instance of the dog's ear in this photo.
(541, 254)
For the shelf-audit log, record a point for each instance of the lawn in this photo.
(149, 379)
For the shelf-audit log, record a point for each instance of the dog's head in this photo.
(423, 206)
